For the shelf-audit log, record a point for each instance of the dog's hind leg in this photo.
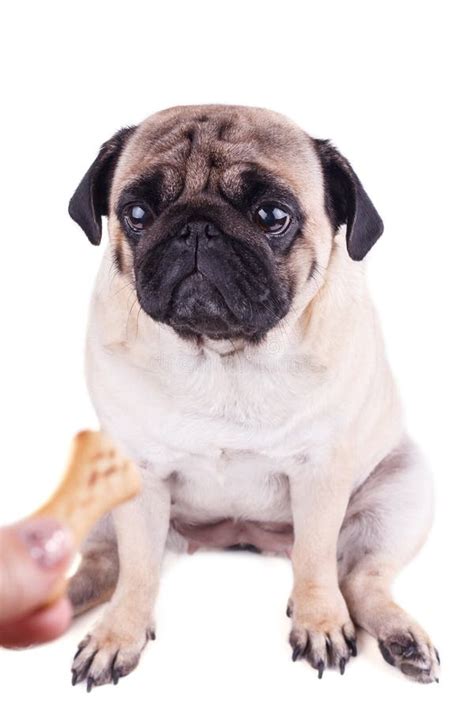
(386, 523)
(96, 578)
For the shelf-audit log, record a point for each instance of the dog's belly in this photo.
(237, 534)
(236, 499)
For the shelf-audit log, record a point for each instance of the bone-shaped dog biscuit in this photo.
(98, 478)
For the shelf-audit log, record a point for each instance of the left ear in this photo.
(91, 199)
(347, 203)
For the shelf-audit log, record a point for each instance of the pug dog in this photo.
(235, 354)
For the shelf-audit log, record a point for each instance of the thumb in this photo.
(34, 555)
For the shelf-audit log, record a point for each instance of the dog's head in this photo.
(221, 215)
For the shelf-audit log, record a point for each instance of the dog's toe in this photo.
(324, 648)
(105, 656)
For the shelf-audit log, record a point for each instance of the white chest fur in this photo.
(230, 430)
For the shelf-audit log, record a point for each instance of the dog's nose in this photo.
(198, 229)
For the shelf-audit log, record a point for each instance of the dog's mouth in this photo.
(199, 308)
(217, 291)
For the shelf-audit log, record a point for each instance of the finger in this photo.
(41, 626)
(33, 556)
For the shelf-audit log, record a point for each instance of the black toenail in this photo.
(351, 643)
(386, 654)
(352, 647)
(297, 652)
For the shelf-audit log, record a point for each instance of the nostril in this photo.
(194, 230)
(185, 232)
(211, 231)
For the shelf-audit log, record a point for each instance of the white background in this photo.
(390, 83)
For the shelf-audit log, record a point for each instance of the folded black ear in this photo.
(347, 203)
(90, 201)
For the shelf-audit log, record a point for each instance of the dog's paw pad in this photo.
(412, 653)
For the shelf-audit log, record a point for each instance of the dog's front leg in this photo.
(322, 631)
(115, 644)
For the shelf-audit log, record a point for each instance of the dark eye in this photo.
(272, 219)
(138, 217)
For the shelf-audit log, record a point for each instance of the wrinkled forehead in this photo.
(192, 146)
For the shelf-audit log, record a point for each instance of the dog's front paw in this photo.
(322, 631)
(111, 651)
(411, 651)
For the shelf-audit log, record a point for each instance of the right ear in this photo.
(347, 203)
(91, 199)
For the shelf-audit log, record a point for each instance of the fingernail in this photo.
(49, 544)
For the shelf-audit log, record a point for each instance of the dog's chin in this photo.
(199, 310)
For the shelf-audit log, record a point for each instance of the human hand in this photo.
(34, 556)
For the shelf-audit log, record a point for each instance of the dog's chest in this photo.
(178, 408)
(225, 438)
(230, 484)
